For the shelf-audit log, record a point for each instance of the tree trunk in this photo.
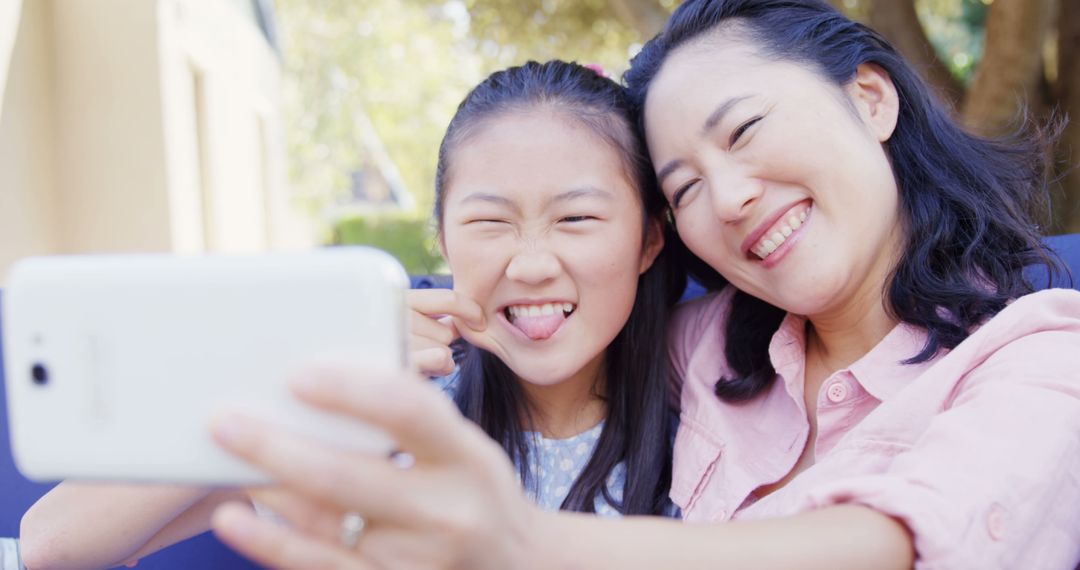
(898, 22)
(645, 16)
(1068, 205)
(1007, 78)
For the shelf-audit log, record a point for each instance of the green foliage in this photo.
(407, 238)
(954, 27)
(406, 64)
(957, 30)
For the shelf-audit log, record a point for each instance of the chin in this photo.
(543, 373)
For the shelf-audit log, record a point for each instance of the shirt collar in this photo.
(880, 371)
(787, 351)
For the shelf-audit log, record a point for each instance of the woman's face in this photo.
(542, 227)
(776, 177)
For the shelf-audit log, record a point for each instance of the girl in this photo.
(548, 216)
(876, 385)
(544, 215)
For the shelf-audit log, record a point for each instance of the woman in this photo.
(877, 386)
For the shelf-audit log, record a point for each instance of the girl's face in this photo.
(542, 227)
(776, 177)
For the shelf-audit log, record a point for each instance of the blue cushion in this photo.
(1068, 249)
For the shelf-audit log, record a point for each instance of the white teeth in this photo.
(773, 241)
(546, 309)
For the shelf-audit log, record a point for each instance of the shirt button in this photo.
(995, 522)
(837, 392)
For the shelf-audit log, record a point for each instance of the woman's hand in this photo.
(434, 317)
(458, 505)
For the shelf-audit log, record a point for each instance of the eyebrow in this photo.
(710, 123)
(585, 192)
(489, 198)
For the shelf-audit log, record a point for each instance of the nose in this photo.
(533, 266)
(733, 193)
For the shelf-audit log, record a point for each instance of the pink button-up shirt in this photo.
(977, 450)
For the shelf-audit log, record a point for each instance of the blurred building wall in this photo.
(139, 125)
(9, 20)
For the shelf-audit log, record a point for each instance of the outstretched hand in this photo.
(458, 505)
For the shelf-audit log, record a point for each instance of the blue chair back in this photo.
(1068, 249)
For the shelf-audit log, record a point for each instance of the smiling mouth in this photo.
(539, 322)
(780, 231)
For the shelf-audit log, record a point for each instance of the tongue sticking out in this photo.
(539, 327)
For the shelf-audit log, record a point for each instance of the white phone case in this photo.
(115, 364)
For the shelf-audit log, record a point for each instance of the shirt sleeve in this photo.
(994, 480)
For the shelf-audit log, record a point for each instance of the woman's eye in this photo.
(742, 130)
(677, 197)
(573, 219)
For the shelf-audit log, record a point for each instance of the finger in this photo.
(348, 480)
(436, 361)
(313, 518)
(421, 343)
(275, 546)
(417, 415)
(438, 331)
(447, 302)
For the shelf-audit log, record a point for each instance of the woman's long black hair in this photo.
(967, 204)
(637, 429)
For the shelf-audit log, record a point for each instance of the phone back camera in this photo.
(39, 373)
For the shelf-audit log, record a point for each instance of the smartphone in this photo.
(115, 364)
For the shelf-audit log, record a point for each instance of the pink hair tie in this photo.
(598, 69)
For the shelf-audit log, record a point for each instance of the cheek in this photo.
(475, 269)
(611, 257)
(699, 231)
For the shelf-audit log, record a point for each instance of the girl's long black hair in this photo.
(968, 204)
(638, 426)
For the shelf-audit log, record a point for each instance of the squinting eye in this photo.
(573, 219)
(741, 130)
(677, 197)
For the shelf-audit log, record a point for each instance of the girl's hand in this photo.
(434, 319)
(458, 505)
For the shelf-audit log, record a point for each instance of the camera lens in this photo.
(39, 373)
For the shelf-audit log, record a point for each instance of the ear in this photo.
(654, 242)
(876, 100)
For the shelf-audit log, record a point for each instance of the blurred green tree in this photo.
(997, 62)
(407, 63)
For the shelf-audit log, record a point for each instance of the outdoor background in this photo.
(406, 64)
(346, 101)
